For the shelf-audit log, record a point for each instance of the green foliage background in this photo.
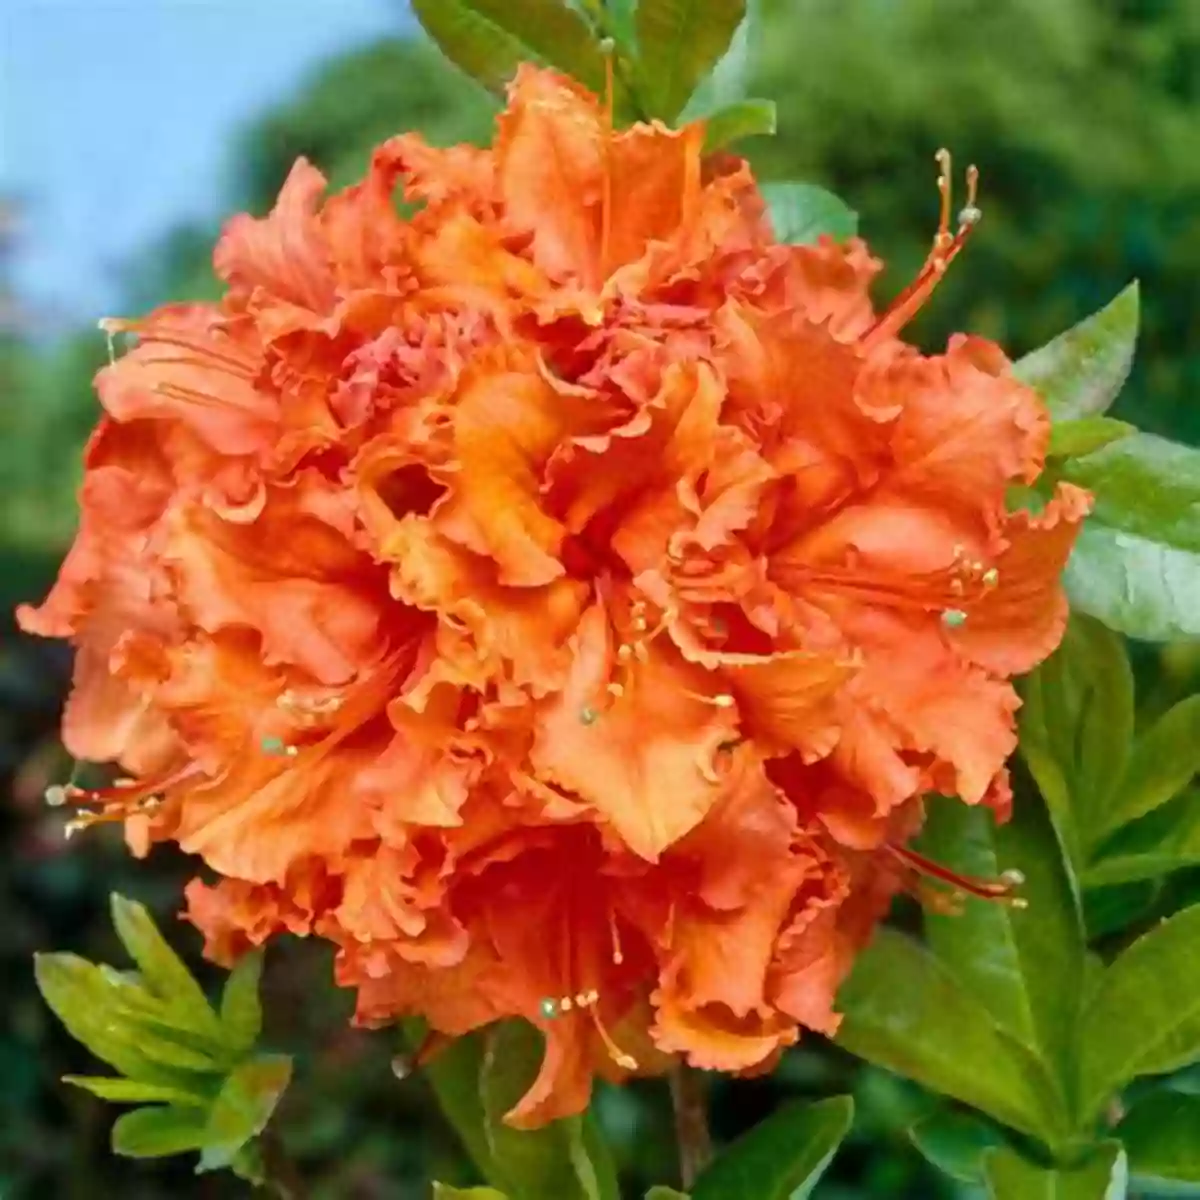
(1082, 116)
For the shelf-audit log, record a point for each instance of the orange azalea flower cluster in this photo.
(559, 599)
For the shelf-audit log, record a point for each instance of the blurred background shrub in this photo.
(1083, 118)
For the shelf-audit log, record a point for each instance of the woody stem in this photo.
(691, 1122)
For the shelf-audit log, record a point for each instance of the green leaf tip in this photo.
(801, 213)
(1081, 372)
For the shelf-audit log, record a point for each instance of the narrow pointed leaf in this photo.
(489, 39)
(162, 969)
(802, 212)
(905, 1010)
(241, 1009)
(679, 42)
(1081, 372)
(730, 80)
(243, 1107)
(1073, 439)
(1166, 840)
(158, 1132)
(135, 1091)
(1165, 759)
(781, 1158)
(1077, 728)
(956, 1143)
(1011, 1177)
(745, 118)
(84, 1000)
(1144, 1016)
(1024, 964)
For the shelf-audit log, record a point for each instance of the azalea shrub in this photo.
(549, 575)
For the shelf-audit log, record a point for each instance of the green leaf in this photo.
(679, 42)
(1073, 439)
(163, 971)
(729, 81)
(1076, 728)
(1081, 372)
(956, 1143)
(241, 1009)
(243, 1107)
(743, 118)
(1134, 584)
(443, 1191)
(157, 1132)
(477, 1079)
(1161, 1134)
(782, 1157)
(802, 212)
(1024, 964)
(1144, 485)
(90, 1003)
(565, 1159)
(1165, 759)
(658, 1192)
(1165, 840)
(136, 1091)
(1136, 565)
(1144, 1016)
(904, 1010)
(489, 39)
(1011, 1177)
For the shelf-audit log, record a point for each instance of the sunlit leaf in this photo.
(1136, 565)
(782, 1157)
(1165, 840)
(956, 1143)
(1081, 372)
(742, 119)
(243, 1107)
(158, 1132)
(1072, 439)
(1025, 964)
(443, 1191)
(802, 212)
(241, 1009)
(679, 42)
(163, 971)
(1011, 1177)
(905, 1010)
(489, 39)
(136, 1091)
(87, 1001)
(665, 1193)
(1162, 1137)
(1144, 1016)
(1165, 759)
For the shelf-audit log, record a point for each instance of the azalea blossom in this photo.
(560, 599)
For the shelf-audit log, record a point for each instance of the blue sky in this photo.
(115, 117)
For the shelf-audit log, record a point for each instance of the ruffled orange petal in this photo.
(549, 158)
(1020, 619)
(188, 366)
(644, 759)
(284, 254)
